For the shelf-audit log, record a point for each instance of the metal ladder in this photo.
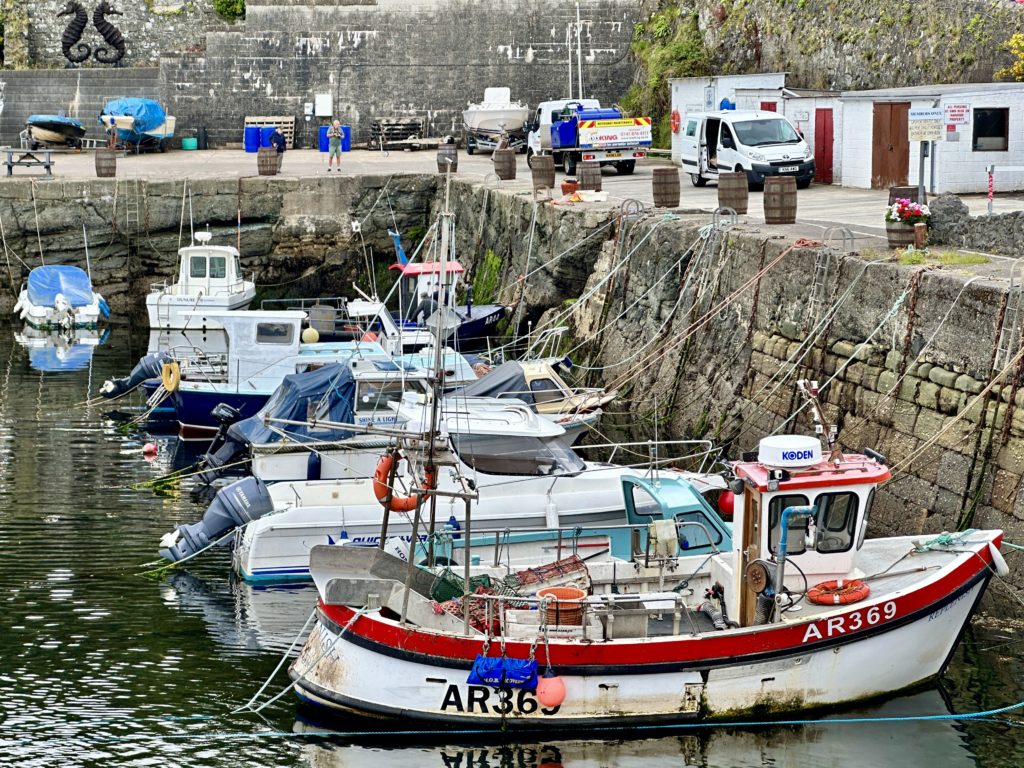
(131, 206)
(819, 283)
(1009, 333)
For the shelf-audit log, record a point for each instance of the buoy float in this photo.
(675, 121)
(382, 476)
(550, 690)
(170, 376)
(150, 448)
(310, 335)
(841, 592)
(368, 336)
(726, 503)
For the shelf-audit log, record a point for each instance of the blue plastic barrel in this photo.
(251, 138)
(346, 138)
(322, 139)
(265, 133)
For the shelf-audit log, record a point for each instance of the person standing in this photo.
(278, 142)
(334, 144)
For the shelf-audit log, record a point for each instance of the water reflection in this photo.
(57, 351)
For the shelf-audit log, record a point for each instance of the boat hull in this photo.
(167, 311)
(193, 410)
(853, 653)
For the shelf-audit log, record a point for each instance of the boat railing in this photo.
(705, 451)
(200, 365)
(227, 289)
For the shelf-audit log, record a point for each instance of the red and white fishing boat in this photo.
(662, 637)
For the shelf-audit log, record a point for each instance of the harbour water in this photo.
(102, 665)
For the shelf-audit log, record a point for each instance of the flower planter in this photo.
(569, 186)
(900, 235)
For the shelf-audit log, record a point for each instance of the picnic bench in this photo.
(28, 158)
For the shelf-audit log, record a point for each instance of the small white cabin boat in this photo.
(209, 278)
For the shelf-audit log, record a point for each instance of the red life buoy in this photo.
(840, 592)
(676, 121)
(382, 478)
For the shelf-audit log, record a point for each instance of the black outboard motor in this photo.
(234, 506)
(225, 447)
(149, 367)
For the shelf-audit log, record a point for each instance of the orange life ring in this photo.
(676, 121)
(840, 592)
(382, 478)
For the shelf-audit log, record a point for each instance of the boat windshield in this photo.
(515, 455)
(759, 133)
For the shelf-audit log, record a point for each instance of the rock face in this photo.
(952, 224)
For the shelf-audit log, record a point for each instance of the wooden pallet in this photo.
(287, 123)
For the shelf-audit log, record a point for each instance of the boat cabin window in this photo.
(197, 266)
(694, 536)
(644, 503)
(837, 516)
(512, 455)
(218, 267)
(796, 539)
(546, 391)
(867, 512)
(375, 395)
(274, 333)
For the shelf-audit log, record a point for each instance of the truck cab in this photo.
(572, 130)
(754, 142)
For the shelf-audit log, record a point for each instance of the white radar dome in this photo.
(789, 451)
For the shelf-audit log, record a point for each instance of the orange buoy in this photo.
(841, 592)
(382, 479)
(676, 121)
(726, 503)
(368, 336)
(550, 690)
(150, 449)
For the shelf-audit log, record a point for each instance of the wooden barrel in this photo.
(106, 163)
(732, 191)
(447, 157)
(589, 174)
(898, 234)
(267, 162)
(780, 200)
(504, 164)
(543, 169)
(666, 187)
(906, 193)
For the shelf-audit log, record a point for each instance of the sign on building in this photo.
(958, 114)
(925, 124)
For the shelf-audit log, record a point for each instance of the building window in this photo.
(991, 130)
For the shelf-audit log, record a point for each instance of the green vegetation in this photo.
(940, 258)
(1015, 45)
(486, 278)
(669, 44)
(230, 9)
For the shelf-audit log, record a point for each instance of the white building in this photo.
(983, 125)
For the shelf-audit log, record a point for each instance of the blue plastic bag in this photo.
(503, 672)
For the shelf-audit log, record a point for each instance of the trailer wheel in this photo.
(529, 157)
(625, 167)
(570, 165)
(470, 148)
(697, 180)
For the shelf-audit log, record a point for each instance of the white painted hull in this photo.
(481, 119)
(167, 310)
(276, 547)
(721, 675)
(46, 318)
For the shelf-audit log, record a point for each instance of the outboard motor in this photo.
(225, 447)
(234, 506)
(148, 367)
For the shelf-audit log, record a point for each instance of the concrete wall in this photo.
(78, 93)
(149, 29)
(423, 59)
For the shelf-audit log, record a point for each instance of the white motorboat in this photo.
(60, 297)
(209, 278)
(496, 114)
(659, 636)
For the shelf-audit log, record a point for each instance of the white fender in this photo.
(998, 563)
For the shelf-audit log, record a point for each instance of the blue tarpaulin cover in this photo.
(44, 283)
(52, 359)
(326, 394)
(148, 115)
(34, 119)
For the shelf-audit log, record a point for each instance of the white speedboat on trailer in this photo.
(495, 117)
(209, 278)
(802, 612)
(60, 297)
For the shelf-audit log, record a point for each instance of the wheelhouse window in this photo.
(991, 130)
(546, 391)
(644, 504)
(795, 539)
(218, 267)
(508, 455)
(274, 333)
(837, 518)
(197, 266)
(693, 536)
(862, 533)
(375, 395)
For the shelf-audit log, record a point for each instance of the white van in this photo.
(758, 143)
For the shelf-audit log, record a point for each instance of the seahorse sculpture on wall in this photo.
(74, 51)
(111, 34)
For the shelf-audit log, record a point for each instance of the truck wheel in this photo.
(570, 165)
(697, 180)
(529, 158)
(803, 184)
(559, 160)
(470, 148)
(625, 167)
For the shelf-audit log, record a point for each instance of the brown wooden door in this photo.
(750, 550)
(890, 147)
(823, 146)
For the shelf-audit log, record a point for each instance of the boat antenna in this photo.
(822, 426)
(181, 218)
(88, 266)
(191, 226)
(568, 50)
(579, 49)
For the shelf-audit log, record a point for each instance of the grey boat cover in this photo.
(507, 381)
